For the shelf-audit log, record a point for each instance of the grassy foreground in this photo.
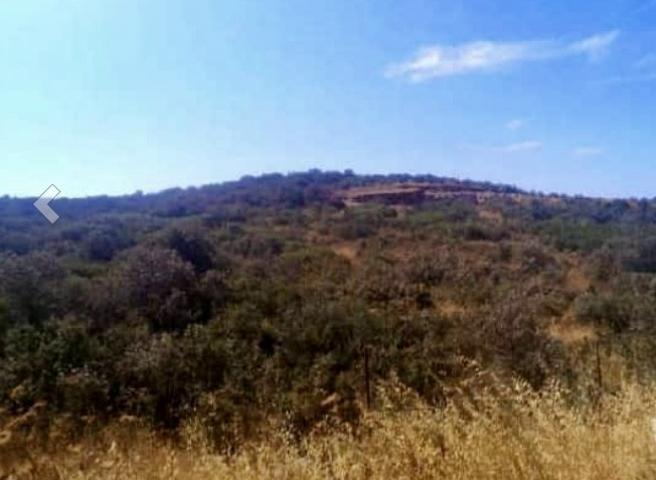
(514, 434)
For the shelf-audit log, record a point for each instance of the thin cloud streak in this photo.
(624, 79)
(515, 124)
(485, 56)
(518, 147)
(647, 61)
(588, 151)
(528, 146)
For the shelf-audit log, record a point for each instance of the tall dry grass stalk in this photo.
(512, 434)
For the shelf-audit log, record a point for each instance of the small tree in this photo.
(160, 286)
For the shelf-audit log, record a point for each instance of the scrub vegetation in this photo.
(329, 325)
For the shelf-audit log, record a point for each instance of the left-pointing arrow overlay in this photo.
(43, 203)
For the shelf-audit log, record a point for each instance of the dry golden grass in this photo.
(512, 434)
(348, 250)
(569, 331)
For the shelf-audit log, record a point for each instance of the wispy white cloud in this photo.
(647, 61)
(594, 47)
(484, 56)
(624, 79)
(643, 71)
(588, 151)
(528, 146)
(518, 147)
(515, 124)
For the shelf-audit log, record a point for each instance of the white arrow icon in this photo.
(42, 203)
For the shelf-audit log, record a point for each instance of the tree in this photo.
(160, 286)
(192, 247)
(30, 284)
(4, 324)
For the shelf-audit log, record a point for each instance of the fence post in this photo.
(366, 377)
(599, 376)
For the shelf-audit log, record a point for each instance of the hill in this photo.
(300, 298)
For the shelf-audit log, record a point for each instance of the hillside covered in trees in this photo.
(264, 299)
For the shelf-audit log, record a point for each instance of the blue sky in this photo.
(113, 96)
